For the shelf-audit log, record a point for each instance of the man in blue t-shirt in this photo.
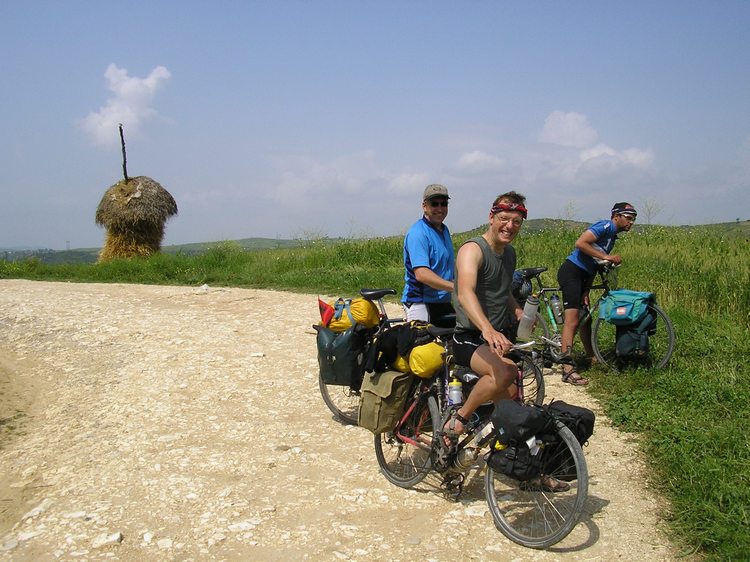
(576, 275)
(429, 261)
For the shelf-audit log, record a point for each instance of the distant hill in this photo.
(90, 255)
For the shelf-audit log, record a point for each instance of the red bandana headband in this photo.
(518, 207)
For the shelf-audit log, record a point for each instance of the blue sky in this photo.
(298, 119)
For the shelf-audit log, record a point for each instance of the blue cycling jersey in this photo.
(606, 234)
(426, 246)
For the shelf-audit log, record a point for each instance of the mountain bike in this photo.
(527, 513)
(343, 400)
(603, 334)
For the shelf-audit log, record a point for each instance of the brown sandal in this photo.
(545, 484)
(574, 377)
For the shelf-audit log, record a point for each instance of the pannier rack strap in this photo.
(341, 305)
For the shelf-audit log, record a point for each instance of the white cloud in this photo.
(409, 183)
(349, 173)
(479, 162)
(604, 156)
(130, 104)
(568, 129)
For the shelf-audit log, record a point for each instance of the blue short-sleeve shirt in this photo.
(426, 246)
(606, 234)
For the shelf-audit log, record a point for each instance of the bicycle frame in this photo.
(423, 388)
(544, 294)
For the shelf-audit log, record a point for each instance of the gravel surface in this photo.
(176, 423)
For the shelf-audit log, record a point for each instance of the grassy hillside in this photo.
(691, 419)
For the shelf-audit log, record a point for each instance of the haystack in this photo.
(134, 212)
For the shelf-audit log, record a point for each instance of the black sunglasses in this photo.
(441, 203)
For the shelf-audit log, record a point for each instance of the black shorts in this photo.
(466, 343)
(574, 283)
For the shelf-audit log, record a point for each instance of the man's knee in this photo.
(504, 372)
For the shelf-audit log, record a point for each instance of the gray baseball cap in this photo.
(435, 190)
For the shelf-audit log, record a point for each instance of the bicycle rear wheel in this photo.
(527, 512)
(404, 453)
(661, 343)
(343, 401)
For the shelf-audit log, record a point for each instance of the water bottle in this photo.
(557, 309)
(528, 318)
(455, 392)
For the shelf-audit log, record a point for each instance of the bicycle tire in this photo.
(343, 401)
(661, 343)
(402, 463)
(533, 382)
(540, 327)
(531, 516)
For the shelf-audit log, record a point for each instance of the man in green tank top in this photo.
(485, 308)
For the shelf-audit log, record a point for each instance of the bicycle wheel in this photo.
(533, 382)
(527, 512)
(661, 343)
(404, 454)
(540, 327)
(343, 401)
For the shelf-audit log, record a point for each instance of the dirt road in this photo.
(174, 423)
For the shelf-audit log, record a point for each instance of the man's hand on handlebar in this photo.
(498, 343)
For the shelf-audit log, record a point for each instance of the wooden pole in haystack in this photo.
(134, 212)
(124, 157)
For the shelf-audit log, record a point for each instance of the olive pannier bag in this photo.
(384, 397)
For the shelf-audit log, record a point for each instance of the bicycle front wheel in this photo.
(530, 513)
(660, 343)
(533, 382)
(343, 401)
(404, 453)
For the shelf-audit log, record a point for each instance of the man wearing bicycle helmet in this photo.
(486, 311)
(576, 275)
(429, 261)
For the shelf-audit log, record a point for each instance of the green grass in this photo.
(692, 419)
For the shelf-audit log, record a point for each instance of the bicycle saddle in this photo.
(439, 332)
(529, 272)
(375, 294)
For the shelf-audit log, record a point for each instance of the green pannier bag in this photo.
(384, 397)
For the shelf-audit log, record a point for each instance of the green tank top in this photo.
(493, 287)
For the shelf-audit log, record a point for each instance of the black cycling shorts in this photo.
(466, 343)
(574, 283)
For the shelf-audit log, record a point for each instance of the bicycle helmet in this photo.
(520, 287)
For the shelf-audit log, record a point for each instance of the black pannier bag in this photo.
(558, 461)
(514, 425)
(341, 355)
